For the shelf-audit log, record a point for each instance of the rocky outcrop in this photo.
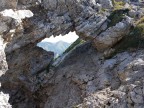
(26, 66)
(3, 68)
(4, 98)
(32, 61)
(61, 19)
(8, 4)
(127, 91)
(3, 63)
(112, 35)
(107, 4)
(84, 78)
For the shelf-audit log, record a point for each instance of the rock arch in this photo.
(43, 19)
(60, 17)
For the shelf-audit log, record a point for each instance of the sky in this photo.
(69, 38)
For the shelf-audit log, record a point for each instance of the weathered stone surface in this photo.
(62, 17)
(4, 98)
(106, 4)
(94, 78)
(24, 64)
(18, 15)
(83, 78)
(25, 2)
(8, 4)
(112, 35)
(59, 20)
(3, 63)
(3, 68)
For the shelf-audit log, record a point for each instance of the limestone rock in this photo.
(3, 63)
(18, 15)
(96, 93)
(24, 2)
(4, 98)
(3, 68)
(32, 63)
(8, 4)
(112, 35)
(107, 4)
(83, 78)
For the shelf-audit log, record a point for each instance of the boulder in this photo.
(112, 35)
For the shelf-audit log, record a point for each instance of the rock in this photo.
(25, 2)
(3, 27)
(4, 98)
(136, 98)
(87, 23)
(138, 106)
(33, 61)
(3, 63)
(112, 35)
(138, 90)
(9, 4)
(108, 53)
(83, 77)
(18, 15)
(107, 4)
(132, 13)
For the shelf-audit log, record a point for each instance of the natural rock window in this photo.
(58, 44)
(105, 71)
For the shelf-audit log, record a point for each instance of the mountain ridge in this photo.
(57, 47)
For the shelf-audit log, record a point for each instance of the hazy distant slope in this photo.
(58, 47)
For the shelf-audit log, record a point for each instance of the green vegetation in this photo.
(135, 39)
(131, 42)
(118, 5)
(77, 42)
(117, 16)
(140, 21)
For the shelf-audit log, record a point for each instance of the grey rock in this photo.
(3, 63)
(83, 78)
(107, 4)
(136, 98)
(32, 64)
(4, 98)
(112, 35)
(8, 4)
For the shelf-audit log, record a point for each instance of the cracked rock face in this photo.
(115, 82)
(8, 4)
(112, 35)
(85, 80)
(61, 17)
(4, 98)
(3, 63)
(3, 68)
(57, 17)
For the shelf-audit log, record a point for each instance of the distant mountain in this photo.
(58, 48)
